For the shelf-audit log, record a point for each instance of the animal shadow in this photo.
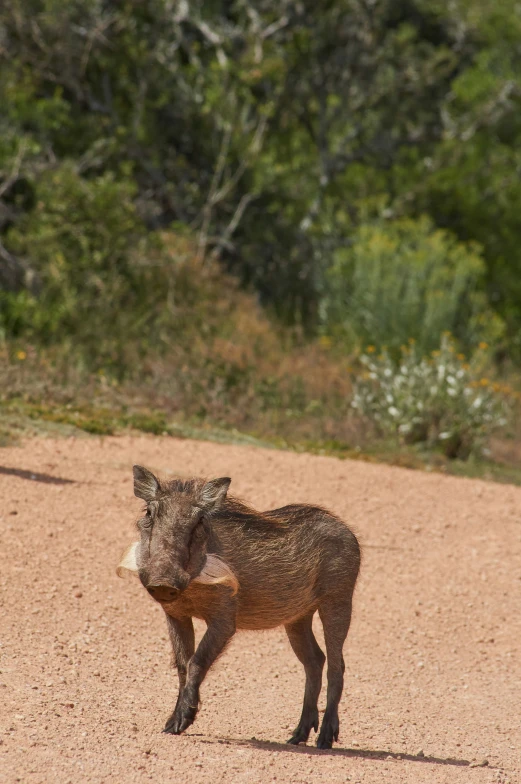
(372, 754)
(35, 476)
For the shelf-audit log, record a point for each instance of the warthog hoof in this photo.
(301, 732)
(180, 720)
(328, 733)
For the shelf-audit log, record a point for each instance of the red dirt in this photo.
(433, 679)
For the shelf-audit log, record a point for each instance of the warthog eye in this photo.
(147, 521)
(197, 529)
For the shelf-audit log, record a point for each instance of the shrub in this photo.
(407, 279)
(441, 400)
(103, 279)
(187, 341)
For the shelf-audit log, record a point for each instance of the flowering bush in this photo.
(441, 399)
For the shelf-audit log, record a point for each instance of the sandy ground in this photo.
(433, 686)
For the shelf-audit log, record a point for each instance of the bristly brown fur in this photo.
(182, 485)
(232, 506)
(282, 566)
(241, 512)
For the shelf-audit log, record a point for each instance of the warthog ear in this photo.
(214, 492)
(145, 483)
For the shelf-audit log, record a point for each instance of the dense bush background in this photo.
(354, 165)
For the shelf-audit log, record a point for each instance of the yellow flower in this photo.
(370, 349)
(412, 341)
(325, 341)
(435, 353)
(483, 346)
(21, 355)
(466, 366)
(484, 382)
(461, 357)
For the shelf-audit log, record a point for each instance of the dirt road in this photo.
(433, 686)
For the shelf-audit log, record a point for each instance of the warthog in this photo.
(207, 555)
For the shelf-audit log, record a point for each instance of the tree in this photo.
(270, 132)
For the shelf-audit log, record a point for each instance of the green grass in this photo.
(21, 419)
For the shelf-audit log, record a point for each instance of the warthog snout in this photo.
(163, 593)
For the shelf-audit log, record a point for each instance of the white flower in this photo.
(478, 401)
(452, 392)
(393, 411)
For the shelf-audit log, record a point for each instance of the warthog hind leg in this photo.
(308, 652)
(335, 617)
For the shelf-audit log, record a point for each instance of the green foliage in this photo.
(267, 131)
(405, 279)
(470, 182)
(275, 138)
(442, 400)
(90, 253)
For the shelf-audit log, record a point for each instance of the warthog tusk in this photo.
(128, 563)
(215, 571)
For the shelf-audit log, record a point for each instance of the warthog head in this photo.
(172, 551)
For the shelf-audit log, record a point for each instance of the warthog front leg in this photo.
(219, 632)
(308, 652)
(182, 638)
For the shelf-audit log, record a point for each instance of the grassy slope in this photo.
(20, 419)
(226, 373)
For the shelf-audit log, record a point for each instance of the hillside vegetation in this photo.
(298, 220)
